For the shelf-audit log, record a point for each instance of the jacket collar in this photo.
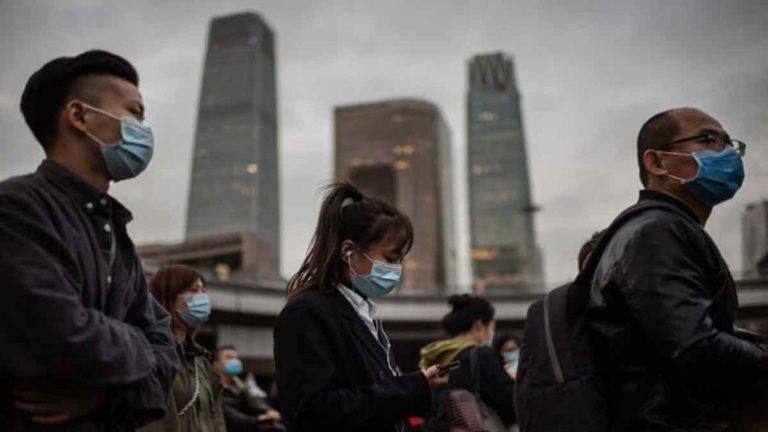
(647, 194)
(85, 194)
(361, 332)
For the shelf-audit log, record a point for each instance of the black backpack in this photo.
(558, 386)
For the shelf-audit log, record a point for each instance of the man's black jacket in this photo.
(662, 311)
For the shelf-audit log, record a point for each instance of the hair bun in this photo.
(459, 301)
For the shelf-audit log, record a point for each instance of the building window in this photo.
(401, 165)
(487, 116)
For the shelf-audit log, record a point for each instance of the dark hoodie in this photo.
(497, 389)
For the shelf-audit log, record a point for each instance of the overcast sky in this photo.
(590, 73)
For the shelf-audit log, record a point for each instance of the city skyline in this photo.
(588, 87)
(234, 177)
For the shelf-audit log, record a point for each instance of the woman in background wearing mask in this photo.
(507, 347)
(334, 366)
(195, 399)
(471, 326)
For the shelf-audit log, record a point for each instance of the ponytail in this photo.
(347, 215)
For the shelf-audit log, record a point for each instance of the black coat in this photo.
(76, 310)
(332, 374)
(497, 388)
(662, 313)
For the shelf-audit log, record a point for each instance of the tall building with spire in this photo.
(504, 254)
(234, 185)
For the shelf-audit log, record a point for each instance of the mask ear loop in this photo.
(674, 177)
(349, 262)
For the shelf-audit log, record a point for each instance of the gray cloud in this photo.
(590, 73)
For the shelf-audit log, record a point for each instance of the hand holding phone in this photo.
(447, 368)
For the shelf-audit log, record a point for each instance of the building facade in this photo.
(399, 151)
(234, 186)
(504, 254)
(754, 227)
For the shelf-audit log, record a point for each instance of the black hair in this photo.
(221, 349)
(502, 338)
(347, 215)
(587, 248)
(655, 134)
(49, 89)
(466, 310)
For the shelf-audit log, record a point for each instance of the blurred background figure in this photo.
(506, 345)
(195, 400)
(245, 404)
(470, 325)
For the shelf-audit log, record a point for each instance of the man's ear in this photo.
(653, 163)
(74, 115)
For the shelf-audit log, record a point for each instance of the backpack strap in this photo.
(594, 258)
(474, 372)
(554, 359)
(579, 290)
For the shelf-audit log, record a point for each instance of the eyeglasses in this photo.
(718, 142)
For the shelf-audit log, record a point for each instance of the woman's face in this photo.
(385, 251)
(510, 346)
(483, 333)
(181, 300)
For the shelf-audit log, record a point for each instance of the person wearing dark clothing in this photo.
(471, 327)
(663, 300)
(506, 346)
(244, 403)
(334, 366)
(84, 345)
(195, 400)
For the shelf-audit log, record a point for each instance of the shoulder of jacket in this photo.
(20, 187)
(309, 302)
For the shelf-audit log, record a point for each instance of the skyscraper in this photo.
(234, 184)
(399, 151)
(505, 256)
(754, 229)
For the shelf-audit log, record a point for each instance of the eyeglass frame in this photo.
(739, 146)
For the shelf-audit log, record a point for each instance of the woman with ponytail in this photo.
(335, 370)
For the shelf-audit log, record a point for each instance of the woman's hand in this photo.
(432, 374)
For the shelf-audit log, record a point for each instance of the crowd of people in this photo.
(90, 345)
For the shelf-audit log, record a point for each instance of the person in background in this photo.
(84, 345)
(195, 402)
(507, 347)
(587, 248)
(244, 403)
(333, 360)
(470, 325)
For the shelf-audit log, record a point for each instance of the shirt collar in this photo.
(358, 301)
(84, 193)
(648, 194)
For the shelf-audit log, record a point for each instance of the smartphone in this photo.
(444, 369)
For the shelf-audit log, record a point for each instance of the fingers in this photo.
(439, 382)
(37, 408)
(53, 419)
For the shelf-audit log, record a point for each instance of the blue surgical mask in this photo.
(489, 342)
(233, 367)
(130, 156)
(384, 278)
(720, 175)
(511, 357)
(198, 310)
